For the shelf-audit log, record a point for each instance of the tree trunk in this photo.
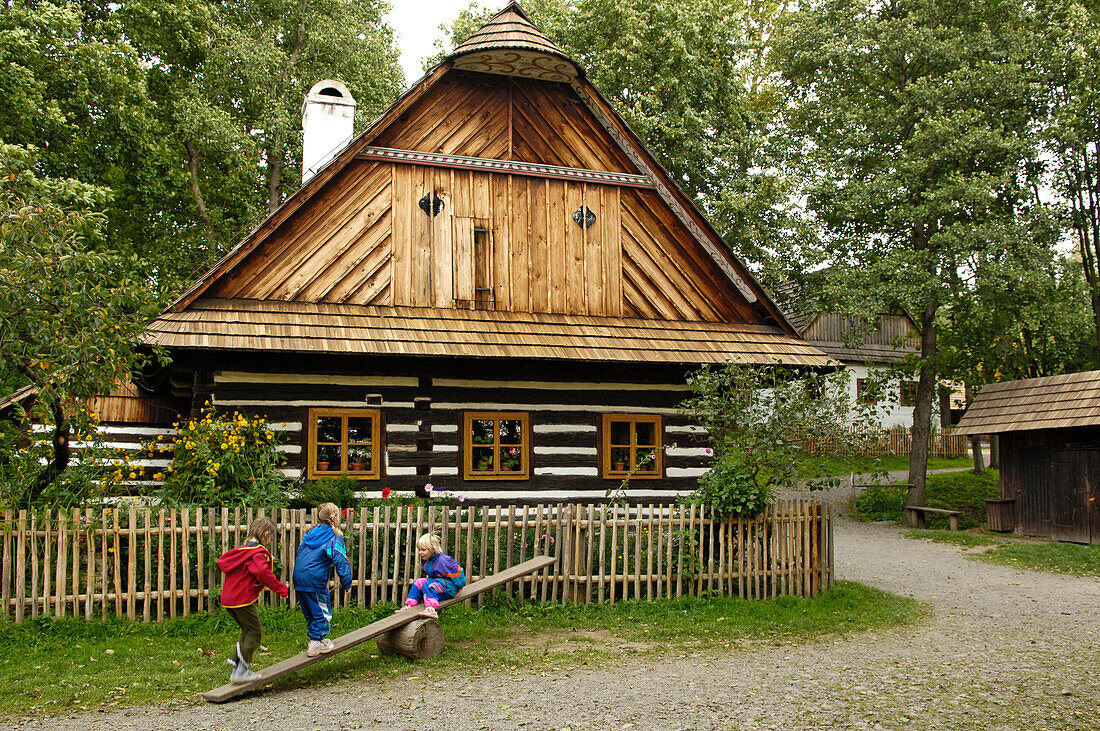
(922, 414)
(945, 406)
(61, 455)
(196, 189)
(976, 448)
(994, 452)
(418, 639)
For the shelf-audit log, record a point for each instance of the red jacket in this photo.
(248, 569)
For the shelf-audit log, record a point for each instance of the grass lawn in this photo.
(1023, 553)
(52, 666)
(963, 491)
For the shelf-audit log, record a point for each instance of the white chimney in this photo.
(328, 124)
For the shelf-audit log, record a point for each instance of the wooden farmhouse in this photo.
(494, 288)
(1049, 451)
(890, 342)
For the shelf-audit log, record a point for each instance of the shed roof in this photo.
(235, 324)
(510, 30)
(1054, 402)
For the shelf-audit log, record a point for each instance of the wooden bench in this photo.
(386, 624)
(952, 515)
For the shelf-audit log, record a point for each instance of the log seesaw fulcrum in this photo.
(401, 636)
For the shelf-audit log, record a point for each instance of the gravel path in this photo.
(1001, 649)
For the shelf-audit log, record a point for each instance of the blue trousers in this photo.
(317, 609)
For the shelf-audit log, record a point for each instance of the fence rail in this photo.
(899, 440)
(155, 564)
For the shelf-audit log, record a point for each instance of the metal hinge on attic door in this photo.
(473, 261)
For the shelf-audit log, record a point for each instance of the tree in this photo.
(759, 420)
(1070, 58)
(913, 119)
(70, 313)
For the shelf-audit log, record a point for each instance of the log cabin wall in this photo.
(422, 422)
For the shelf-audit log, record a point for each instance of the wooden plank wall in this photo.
(833, 328)
(152, 565)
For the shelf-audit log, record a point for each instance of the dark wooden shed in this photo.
(1050, 451)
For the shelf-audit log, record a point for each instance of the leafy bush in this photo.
(731, 489)
(757, 418)
(338, 490)
(219, 460)
(882, 502)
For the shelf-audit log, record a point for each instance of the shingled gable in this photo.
(672, 266)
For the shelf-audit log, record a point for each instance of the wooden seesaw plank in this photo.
(355, 637)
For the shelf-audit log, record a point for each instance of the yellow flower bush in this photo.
(224, 459)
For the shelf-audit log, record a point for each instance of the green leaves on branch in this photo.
(760, 420)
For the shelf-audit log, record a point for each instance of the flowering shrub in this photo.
(222, 460)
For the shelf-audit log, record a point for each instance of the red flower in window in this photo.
(385, 492)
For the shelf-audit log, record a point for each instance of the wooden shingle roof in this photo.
(232, 324)
(1054, 402)
(510, 44)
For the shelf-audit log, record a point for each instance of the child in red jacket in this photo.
(248, 569)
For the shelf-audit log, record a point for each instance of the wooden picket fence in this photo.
(153, 564)
(899, 440)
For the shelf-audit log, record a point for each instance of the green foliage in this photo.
(221, 460)
(338, 490)
(757, 418)
(964, 491)
(71, 313)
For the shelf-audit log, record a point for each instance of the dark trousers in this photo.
(248, 617)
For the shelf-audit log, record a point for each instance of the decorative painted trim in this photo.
(303, 378)
(560, 385)
(512, 167)
(320, 404)
(585, 451)
(564, 428)
(444, 471)
(574, 471)
(688, 451)
(441, 406)
(685, 472)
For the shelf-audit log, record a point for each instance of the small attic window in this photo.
(331, 91)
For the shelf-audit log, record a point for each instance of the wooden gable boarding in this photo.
(499, 211)
(1049, 451)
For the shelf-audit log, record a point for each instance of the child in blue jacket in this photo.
(322, 548)
(443, 577)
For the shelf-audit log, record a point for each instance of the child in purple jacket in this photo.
(443, 577)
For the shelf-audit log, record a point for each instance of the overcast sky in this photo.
(416, 25)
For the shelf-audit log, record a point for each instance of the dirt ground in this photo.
(1001, 649)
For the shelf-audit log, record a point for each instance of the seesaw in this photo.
(374, 629)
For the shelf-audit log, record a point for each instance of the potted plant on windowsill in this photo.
(359, 460)
(510, 460)
(323, 461)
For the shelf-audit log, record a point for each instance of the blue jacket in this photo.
(442, 566)
(320, 550)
